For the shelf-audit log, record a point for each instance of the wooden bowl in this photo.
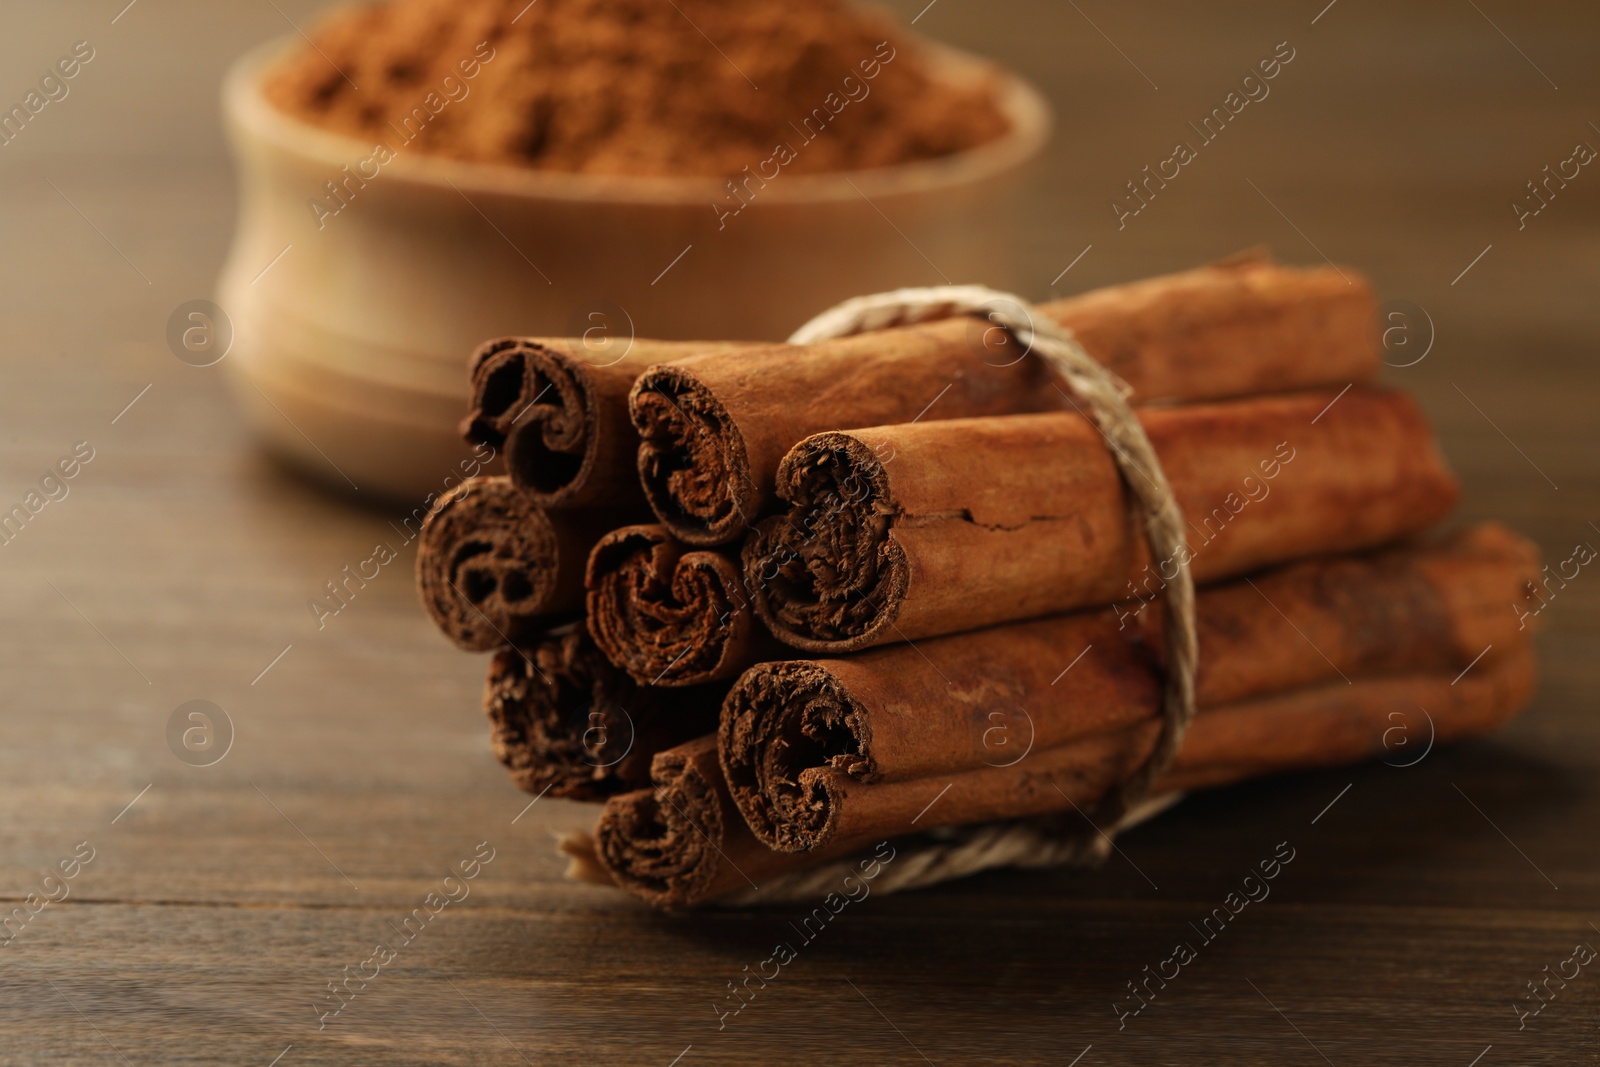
(351, 330)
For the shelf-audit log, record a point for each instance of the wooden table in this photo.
(221, 901)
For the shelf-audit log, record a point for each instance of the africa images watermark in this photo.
(784, 953)
(1253, 489)
(456, 889)
(342, 188)
(355, 576)
(52, 89)
(1582, 555)
(1251, 89)
(1251, 889)
(1541, 194)
(53, 888)
(811, 127)
(199, 733)
(52, 487)
(1582, 955)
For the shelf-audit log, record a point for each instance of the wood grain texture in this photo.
(217, 907)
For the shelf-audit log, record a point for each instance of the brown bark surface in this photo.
(714, 427)
(1322, 726)
(985, 699)
(902, 532)
(683, 843)
(563, 719)
(493, 569)
(558, 410)
(668, 615)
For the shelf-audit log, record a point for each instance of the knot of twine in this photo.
(1102, 398)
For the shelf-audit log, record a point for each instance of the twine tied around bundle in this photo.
(1101, 397)
(946, 854)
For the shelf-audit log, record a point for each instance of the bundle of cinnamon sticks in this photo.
(775, 604)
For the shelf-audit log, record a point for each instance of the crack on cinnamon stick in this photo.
(966, 516)
(987, 520)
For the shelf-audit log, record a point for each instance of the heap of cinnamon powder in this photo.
(640, 87)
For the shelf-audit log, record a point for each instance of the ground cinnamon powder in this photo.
(644, 87)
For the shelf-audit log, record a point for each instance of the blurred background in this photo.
(222, 899)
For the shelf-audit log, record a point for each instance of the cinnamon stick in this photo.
(1319, 727)
(493, 569)
(558, 410)
(982, 699)
(670, 616)
(564, 720)
(714, 427)
(682, 843)
(901, 532)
